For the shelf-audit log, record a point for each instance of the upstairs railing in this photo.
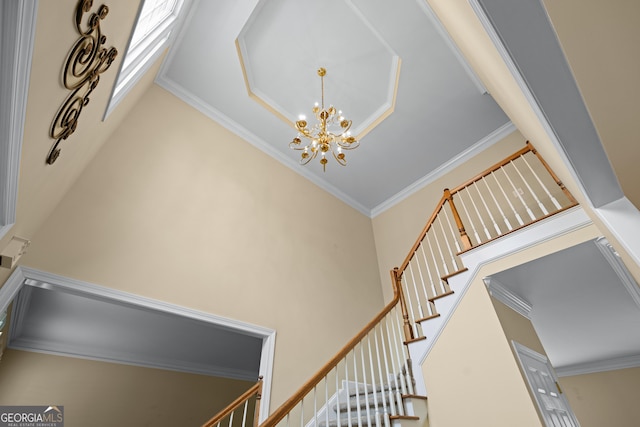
(510, 195)
(366, 382)
(242, 412)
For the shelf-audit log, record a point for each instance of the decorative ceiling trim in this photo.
(253, 139)
(508, 297)
(614, 260)
(362, 128)
(17, 34)
(35, 278)
(495, 136)
(599, 366)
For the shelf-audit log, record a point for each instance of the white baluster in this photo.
(504, 217)
(446, 240)
(244, 413)
(326, 401)
(401, 389)
(533, 193)
(355, 373)
(473, 226)
(337, 374)
(518, 195)
(392, 345)
(386, 344)
(454, 234)
(411, 313)
(544, 187)
(424, 289)
(435, 264)
(442, 258)
(231, 419)
(366, 384)
(426, 262)
(484, 203)
(315, 407)
(374, 384)
(475, 207)
(381, 378)
(513, 209)
(415, 291)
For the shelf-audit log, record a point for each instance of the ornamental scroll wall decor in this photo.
(87, 59)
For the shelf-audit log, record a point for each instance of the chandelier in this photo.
(330, 133)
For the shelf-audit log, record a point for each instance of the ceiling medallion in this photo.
(330, 133)
(81, 73)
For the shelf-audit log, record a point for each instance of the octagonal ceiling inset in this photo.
(280, 57)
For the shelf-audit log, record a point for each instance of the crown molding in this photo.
(503, 294)
(253, 139)
(495, 136)
(40, 279)
(17, 33)
(599, 366)
(614, 260)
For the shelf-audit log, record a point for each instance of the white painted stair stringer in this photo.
(539, 232)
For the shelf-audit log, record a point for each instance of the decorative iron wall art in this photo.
(87, 59)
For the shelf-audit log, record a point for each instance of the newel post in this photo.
(408, 330)
(466, 241)
(256, 410)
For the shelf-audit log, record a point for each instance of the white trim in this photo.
(36, 278)
(542, 231)
(507, 297)
(253, 139)
(137, 61)
(526, 91)
(520, 350)
(17, 33)
(11, 288)
(599, 366)
(622, 218)
(495, 136)
(613, 258)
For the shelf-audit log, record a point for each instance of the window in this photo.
(156, 20)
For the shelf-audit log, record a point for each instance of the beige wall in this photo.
(397, 229)
(604, 398)
(42, 186)
(472, 365)
(177, 208)
(100, 394)
(598, 399)
(471, 375)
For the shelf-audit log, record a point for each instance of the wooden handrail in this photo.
(287, 406)
(426, 228)
(494, 168)
(255, 389)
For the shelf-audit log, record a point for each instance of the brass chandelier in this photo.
(330, 133)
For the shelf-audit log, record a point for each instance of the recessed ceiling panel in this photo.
(440, 114)
(284, 42)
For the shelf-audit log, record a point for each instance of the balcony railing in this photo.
(508, 196)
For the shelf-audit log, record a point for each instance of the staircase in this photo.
(370, 382)
(366, 405)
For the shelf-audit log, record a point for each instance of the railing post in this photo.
(466, 241)
(256, 415)
(408, 330)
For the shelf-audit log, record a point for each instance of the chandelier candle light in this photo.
(330, 133)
